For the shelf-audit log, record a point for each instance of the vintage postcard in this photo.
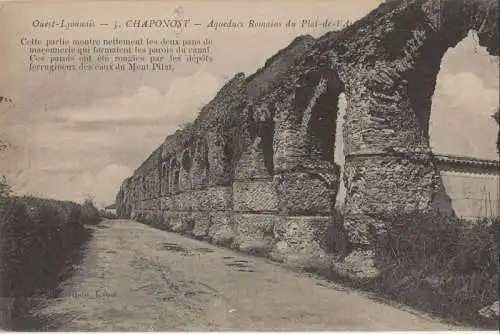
(249, 165)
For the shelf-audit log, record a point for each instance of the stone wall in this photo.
(256, 170)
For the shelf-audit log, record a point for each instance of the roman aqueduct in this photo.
(256, 169)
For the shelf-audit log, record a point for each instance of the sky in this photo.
(75, 135)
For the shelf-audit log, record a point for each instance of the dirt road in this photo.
(134, 277)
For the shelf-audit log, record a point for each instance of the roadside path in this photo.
(136, 278)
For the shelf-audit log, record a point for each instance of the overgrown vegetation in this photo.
(447, 265)
(37, 239)
(442, 265)
(90, 212)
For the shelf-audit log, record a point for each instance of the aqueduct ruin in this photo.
(256, 169)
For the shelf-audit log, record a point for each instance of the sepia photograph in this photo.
(269, 165)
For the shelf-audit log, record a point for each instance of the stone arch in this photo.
(265, 131)
(150, 184)
(256, 160)
(202, 153)
(339, 156)
(187, 162)
(304, 142)
(200, 169)
(322, 118)
(164, 178)
(143, 187)
(422, 83)
(174, 176)
(185, 173)
(389, 86)
(222, 153)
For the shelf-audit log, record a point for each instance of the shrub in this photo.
(37, 236)
(5, 192)
(440, 264)
(90, 212)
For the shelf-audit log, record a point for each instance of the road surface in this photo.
(136, 278)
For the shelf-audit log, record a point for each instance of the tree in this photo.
(5, 189)
(5, 192)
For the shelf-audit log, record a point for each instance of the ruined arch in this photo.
(475, 18)
(175, 169)
(390, 80)
(457, 124)
(185, 173)
(186, 160)
(202, 153)
(143, 187)
(164, 178)
(386, 64)
(305, 174)
(261, 133)
(428, 45)
(200, 167)
(322, 118)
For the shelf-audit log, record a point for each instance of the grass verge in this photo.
(37, 238)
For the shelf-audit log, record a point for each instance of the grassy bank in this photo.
(442, 265)
(37, 239)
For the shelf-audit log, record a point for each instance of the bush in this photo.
(5, 192)
(440, 264)
(92, 216)
(37, 236)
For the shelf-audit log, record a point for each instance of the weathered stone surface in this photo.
(252, 164)
(166, 223)
(491, 311)
(199, 172)
(166, 204)
(255, 196)
(306, 193)
(289, 152)
(254, 233)
(360, 264)
(221, 231)
(361, 229)
(182, 222)
(377, 185)
(276, 67)
(302, 241)
(279, 124)
(210, 199)
(184, 181)
(173, 219)
(186, 201)
(202, 224)
(156, 204)
(216, 199)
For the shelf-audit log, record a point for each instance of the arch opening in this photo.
(321, 127)
(175, 179)
(339, 156)
(454, 94)
(186, 160)
(200, 164)
(164, 178)
(267, 135)
(258, 155)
